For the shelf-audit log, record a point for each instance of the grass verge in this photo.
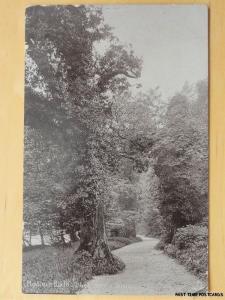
(57, 270)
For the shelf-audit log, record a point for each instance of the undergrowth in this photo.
(190, 247)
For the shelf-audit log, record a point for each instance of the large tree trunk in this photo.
(100, 246)
(86, 235)
(94, 240)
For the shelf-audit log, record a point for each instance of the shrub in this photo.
(185, 237)
(190, 247)
(119, 241)
(105, 266)
(113, 245)
(170, 250)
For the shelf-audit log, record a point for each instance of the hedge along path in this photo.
(148, 272)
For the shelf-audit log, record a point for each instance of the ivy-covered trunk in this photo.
(86, 235)
(94, 240)
(100, 248)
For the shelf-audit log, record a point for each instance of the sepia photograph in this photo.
(115, 196)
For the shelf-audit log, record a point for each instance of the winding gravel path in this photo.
(148, 272)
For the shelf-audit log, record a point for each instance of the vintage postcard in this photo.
(116, 150)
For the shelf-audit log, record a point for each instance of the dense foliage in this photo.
(190, 247)
(181, 161)
(95, 152)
